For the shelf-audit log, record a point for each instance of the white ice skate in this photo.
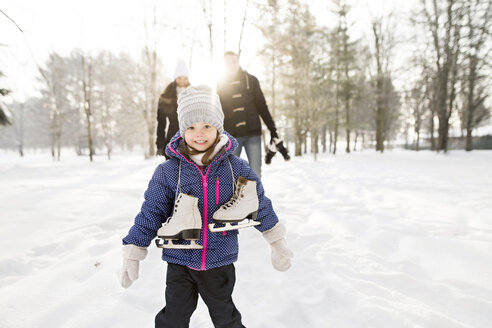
(241, 210)
(184, 224)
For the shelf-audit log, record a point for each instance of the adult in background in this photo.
(167, 117)
(243, 104)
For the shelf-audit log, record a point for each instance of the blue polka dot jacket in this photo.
(213, 186)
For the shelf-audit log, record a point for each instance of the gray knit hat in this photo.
(199, 104)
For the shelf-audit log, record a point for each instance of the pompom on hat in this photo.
(199, 104)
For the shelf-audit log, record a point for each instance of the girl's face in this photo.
(200, 136)
(182, 81)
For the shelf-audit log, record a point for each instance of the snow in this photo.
(400, 239)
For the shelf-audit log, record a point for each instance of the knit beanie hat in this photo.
(181, 69)
(199, 104)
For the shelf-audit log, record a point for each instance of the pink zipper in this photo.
(205, 201)
(205, 216)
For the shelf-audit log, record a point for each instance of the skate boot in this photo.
(184, 224)
(276, 144)
(241, 210)
(282, 150)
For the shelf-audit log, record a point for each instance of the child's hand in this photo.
(132, 254)
(281, 254)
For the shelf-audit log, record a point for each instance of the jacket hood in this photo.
(172, 147)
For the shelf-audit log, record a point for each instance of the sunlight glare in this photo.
(206, 73)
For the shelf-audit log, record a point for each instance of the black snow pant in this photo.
(183, 285)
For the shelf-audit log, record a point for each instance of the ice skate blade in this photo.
(228, 226)
(160, 243)
(188, 234)
(250, 217)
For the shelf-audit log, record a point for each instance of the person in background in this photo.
(243, 104)
(167, 117)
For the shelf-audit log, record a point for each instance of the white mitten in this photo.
(281, 254)
(132, 254)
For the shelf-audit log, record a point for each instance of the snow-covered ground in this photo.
(399, 239)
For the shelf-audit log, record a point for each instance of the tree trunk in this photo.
(443, 72)
(432, 138)
(469, 140)
(331, 140)
(58, 150)
(323, 138)
(335, 137)
(304, 141)
(380, 110)
(87, 91)
(297, 137)
(242, 28)
(150, 110)
(21, 131)
(314, 141)
(474, 59)
(347, 120)
(89, 135)
(380, 119)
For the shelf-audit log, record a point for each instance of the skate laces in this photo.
(175, 210)
(235, 198)
(176, 204)
(167, 221)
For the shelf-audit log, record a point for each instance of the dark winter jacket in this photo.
(213, 187)
(167, 110)
(243, 103)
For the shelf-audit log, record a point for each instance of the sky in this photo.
(118, 25)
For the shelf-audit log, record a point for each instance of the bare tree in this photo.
(271, 50)
(347, 60)
(242, 28)
(87, 90)
(343, 53)
(362, 117)
(416, 100)
(383, 34)
(344, 59)
(106, 97)
(55, 94)
(478, 16)
(296, 51)
(444, 23)
(150, 80)
(208, 15)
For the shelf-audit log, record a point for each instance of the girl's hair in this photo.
(188, 150)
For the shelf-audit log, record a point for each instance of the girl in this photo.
(201, 165)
